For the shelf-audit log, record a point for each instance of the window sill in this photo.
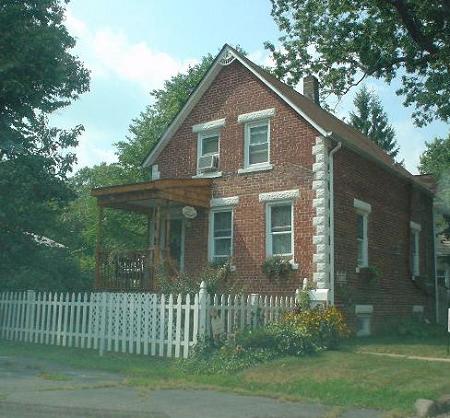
(265, 167)
(212, 175)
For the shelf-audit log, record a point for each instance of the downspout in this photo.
(331, 180)
(436, 290)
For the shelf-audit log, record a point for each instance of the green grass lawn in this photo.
(345, 378)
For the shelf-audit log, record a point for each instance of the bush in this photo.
(298, 333)
(413, 327)
(326, 327)
(218, 279)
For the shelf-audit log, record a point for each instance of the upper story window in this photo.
(208, 146)
(363, 210)
(414, 248)
(257, 143)
(256, 140)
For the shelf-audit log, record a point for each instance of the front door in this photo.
(176, 242)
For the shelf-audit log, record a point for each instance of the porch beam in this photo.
(153, 185)
(179, 196)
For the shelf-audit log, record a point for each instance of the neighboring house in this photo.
(269, 172)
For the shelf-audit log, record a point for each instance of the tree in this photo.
(147, 128)
(38, 76)
(370, 118)
(346, 41)
(435, 160)
(123, 230)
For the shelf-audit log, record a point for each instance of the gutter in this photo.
(331, 202)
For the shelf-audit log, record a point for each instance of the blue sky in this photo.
(132, 46)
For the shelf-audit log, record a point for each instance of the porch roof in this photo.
(141, 197)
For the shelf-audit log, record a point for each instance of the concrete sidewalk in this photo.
(30, 389)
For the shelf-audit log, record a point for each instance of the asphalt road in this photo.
(28, 389)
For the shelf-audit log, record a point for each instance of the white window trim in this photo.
(200, 136)
(415, 226)
(362, 206)
(156, 175)
(363, 209)
(268, 216)
(266, 164)
(224, 201)
(284, 195)
(223, 208)
(416, 229)
(208, 126)
(254, 168)
(258, 115)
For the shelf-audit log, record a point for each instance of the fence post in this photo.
(297, 295)
(102, 330)
(202, 306)
(29, 321)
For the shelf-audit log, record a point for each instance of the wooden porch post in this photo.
(156, 245)
(98, 247)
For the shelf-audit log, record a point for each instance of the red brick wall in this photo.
(394, 204)
(236, 91)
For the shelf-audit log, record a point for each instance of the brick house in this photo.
(250, 169)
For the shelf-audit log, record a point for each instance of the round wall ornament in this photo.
(189, 212)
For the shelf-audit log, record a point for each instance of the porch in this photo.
(165, 204)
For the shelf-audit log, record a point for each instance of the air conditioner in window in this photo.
(208, 163)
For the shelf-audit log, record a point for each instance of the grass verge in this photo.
(346, 378)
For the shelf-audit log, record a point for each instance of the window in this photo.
(279, 218)
(363, 253)
(414, 248)
(208, 145)
(221, 235)
(363, 319)
(257, 143)
(363, 210)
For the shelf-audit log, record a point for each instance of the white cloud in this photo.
(94, 147)
(109, 53)
(261, 57)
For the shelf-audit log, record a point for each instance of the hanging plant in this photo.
(370, 273)
(277, 268)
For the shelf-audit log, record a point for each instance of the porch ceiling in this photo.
(140, 197)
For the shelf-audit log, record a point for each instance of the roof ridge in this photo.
(318, 107)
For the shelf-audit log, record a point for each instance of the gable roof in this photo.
(324, 122)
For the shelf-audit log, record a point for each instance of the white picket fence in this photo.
(137, 323)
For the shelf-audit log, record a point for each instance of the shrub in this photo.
(298, 333)
(326, 327)
(218, 279)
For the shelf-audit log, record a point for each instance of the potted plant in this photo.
(277, 268)
(370, 273)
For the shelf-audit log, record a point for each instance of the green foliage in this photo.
(371, 273)
(435, 160)
(121, 230)
(38, 76)
(277, 268)
(370, 118)
(147, 128)
(124, 230)
(298, 333)
(218, 278)
(413, 327)
(346, 41)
